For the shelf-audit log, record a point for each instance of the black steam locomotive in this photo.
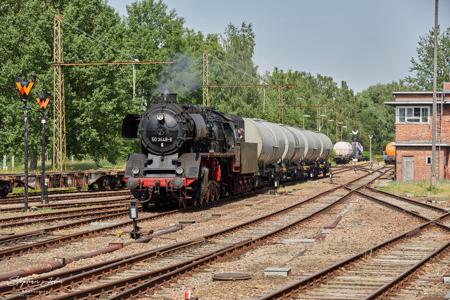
(193, 155)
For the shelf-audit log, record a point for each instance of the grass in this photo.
(36, 192)
(419, 189)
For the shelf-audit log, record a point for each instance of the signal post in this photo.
(24, 88)
(43, 102)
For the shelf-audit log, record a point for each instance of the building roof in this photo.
(420, 144)
(419, 93)
(415, 102)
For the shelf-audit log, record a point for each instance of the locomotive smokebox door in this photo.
(249, 158)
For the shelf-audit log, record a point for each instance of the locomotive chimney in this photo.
(169, 97)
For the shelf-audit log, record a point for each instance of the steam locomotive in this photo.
(194, 155)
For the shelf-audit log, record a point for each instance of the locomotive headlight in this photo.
(179, 170)
(160, 116)
(135, 171)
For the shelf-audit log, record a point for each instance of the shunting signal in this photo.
(42, 102)
(24, 87)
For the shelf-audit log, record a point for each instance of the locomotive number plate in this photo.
(158, 139)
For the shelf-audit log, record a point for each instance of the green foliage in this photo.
(97, 98)
(422, 67)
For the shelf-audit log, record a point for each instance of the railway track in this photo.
(419, 209)
(63, 196)
(63, 215)
(43, 238)
(372, 272)
(87, 202)
(16, 244)
(131, 275)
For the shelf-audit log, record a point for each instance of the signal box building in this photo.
(413, 135)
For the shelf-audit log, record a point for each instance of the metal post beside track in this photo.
(43, 102)
(24, 88)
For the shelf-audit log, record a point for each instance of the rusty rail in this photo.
(69, 205)
(57, 215)
(63, 196)
(165, 274)
(71, 237)
(100, 268)
(284, 292)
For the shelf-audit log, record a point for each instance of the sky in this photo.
(360, 41)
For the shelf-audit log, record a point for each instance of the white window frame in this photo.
(408, 119)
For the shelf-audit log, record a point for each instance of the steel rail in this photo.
(284, 292)
(161, 275)
(20, 249)
(68, 205)
(5, 222)
(72, 237)
(172, 272)
(385, 288)
(100, 268)
(43, 231)
(87, 213)
(64, 196)
(410, 212)
(443, 210)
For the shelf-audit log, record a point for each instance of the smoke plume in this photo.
(182, 78)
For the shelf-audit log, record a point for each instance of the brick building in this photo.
(413, 135)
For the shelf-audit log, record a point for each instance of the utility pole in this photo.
(305, 116)
(370, 148)
(134, 80)
(205, 78)
(280, 106)
(264, 101)
(59, 105)
(328, 125)
(433, 145)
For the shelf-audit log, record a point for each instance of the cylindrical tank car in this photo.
(389, 153)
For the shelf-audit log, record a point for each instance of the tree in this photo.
(422, 66)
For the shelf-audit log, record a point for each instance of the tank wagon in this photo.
(343, 152)
(193, 155)
(389, 154)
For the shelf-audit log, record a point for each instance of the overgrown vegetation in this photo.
(419, 189)
(97, 98)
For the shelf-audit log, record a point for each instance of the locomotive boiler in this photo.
(194, 155)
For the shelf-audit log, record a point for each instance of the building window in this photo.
(412, 114)
(428, 160)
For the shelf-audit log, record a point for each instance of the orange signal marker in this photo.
(42, 103)
(26, 89)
